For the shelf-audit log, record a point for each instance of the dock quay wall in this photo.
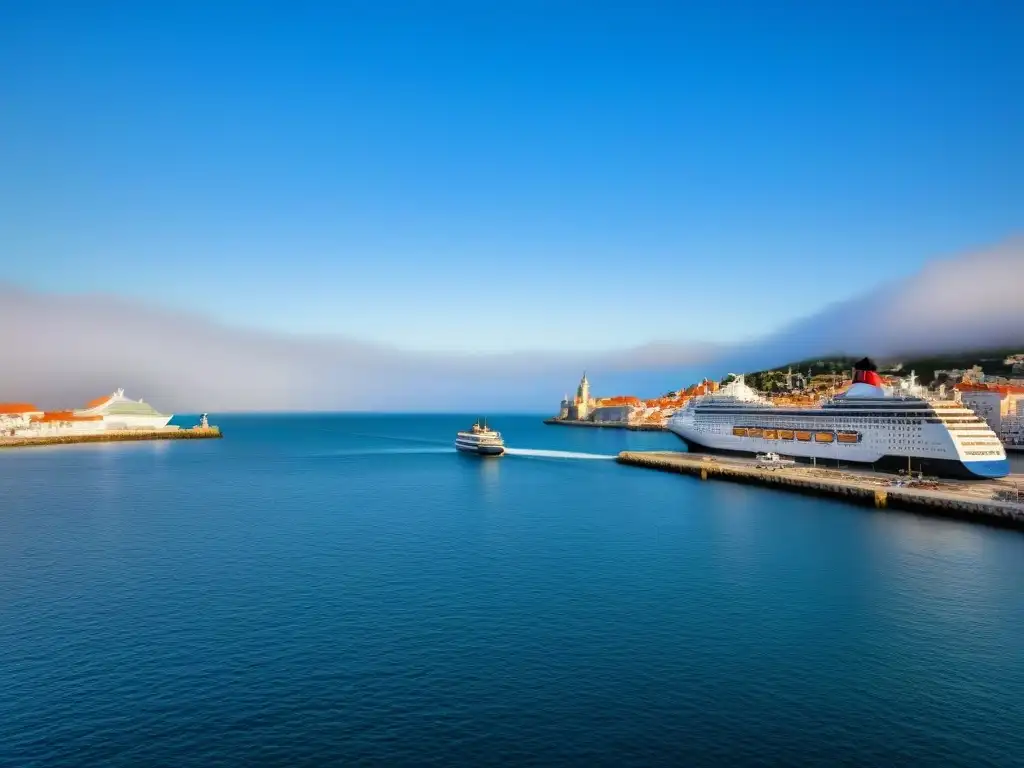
(607, 424)
(113, 436)
(950, 502)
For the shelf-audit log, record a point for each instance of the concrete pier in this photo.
(607, 425)
(114, 436)
(993, 502)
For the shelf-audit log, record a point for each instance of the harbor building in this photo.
(113, 412)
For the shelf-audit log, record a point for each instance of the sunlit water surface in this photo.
(336, 589)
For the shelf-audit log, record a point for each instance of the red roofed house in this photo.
(15, 416)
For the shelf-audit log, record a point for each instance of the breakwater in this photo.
(114, 436)
(607, 425)
(993, 502)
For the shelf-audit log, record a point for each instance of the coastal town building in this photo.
(624, 410)
(16, 416)
(972, 375)
(1016, 363)
(1001, 406)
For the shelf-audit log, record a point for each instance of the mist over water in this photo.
(70, 350)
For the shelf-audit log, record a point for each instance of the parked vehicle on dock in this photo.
(772, 460)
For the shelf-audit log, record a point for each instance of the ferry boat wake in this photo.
(868, 424)
(540, 453)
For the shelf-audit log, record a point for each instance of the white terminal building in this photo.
(110, 412)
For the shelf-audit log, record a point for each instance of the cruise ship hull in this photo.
(844, 454)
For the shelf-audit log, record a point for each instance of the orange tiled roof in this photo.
(965, 386)
(17, 408)
(1005, 389)
(1002, 389)
(619, 400)
(66, 416)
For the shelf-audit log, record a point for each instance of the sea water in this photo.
(316, 590)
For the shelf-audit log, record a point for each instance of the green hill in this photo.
(991, 361)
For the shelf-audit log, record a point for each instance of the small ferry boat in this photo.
(480, 440)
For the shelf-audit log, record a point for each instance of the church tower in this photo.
(583, 401)
(583, 391)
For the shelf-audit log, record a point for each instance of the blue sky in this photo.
(443, 176)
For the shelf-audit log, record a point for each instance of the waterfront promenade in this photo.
(994, 502)
(114, 436)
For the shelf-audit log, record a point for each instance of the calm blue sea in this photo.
(318, 590)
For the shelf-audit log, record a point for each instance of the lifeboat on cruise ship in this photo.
(785, 434)
(849, 437)
(824, 437)
(739, 431)
(771, 434)
(754, 432)
(804, 436)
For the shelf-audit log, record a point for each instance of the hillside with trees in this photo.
(821, 370)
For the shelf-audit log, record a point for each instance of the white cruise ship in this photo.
(118, 412)
(868, 424)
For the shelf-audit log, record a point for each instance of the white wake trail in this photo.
(543, 454)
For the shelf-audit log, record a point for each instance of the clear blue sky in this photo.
(604, 174)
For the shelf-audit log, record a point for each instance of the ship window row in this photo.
(808, 413)
(891, 426)
(983, 453)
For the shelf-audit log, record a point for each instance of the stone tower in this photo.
(583, 391)
(583, 401)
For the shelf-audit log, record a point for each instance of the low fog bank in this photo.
(62, 350)
(969, 302)
(65, 350)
